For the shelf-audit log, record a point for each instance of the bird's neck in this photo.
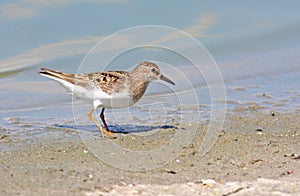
(138, 85)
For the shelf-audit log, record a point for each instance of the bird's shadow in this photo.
(125, 129)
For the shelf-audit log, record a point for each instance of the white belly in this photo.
(101, 99)
(97, 97)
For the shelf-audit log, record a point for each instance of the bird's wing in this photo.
(107, 81)
(104, 80)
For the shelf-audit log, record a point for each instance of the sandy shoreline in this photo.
(255, 153)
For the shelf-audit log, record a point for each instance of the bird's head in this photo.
(151, 72)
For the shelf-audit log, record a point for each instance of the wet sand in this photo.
(256, 153)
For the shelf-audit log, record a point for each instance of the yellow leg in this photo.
(102, 131)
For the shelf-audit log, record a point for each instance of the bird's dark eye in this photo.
(153, 70)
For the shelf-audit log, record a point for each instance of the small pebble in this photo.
(259, 131)
(207, 181)
(295, 156)
(85, 151)
(289, 171)
(171, 172)
(130, 185)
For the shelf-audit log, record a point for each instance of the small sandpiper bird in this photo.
(110, 89)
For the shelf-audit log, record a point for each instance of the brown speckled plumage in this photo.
(102, 86)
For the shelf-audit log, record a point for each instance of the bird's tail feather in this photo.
(56, 75)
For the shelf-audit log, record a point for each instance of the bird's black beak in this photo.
(164, 78)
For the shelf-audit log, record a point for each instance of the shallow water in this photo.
(28, 99)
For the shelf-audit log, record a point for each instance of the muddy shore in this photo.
(255, 153)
